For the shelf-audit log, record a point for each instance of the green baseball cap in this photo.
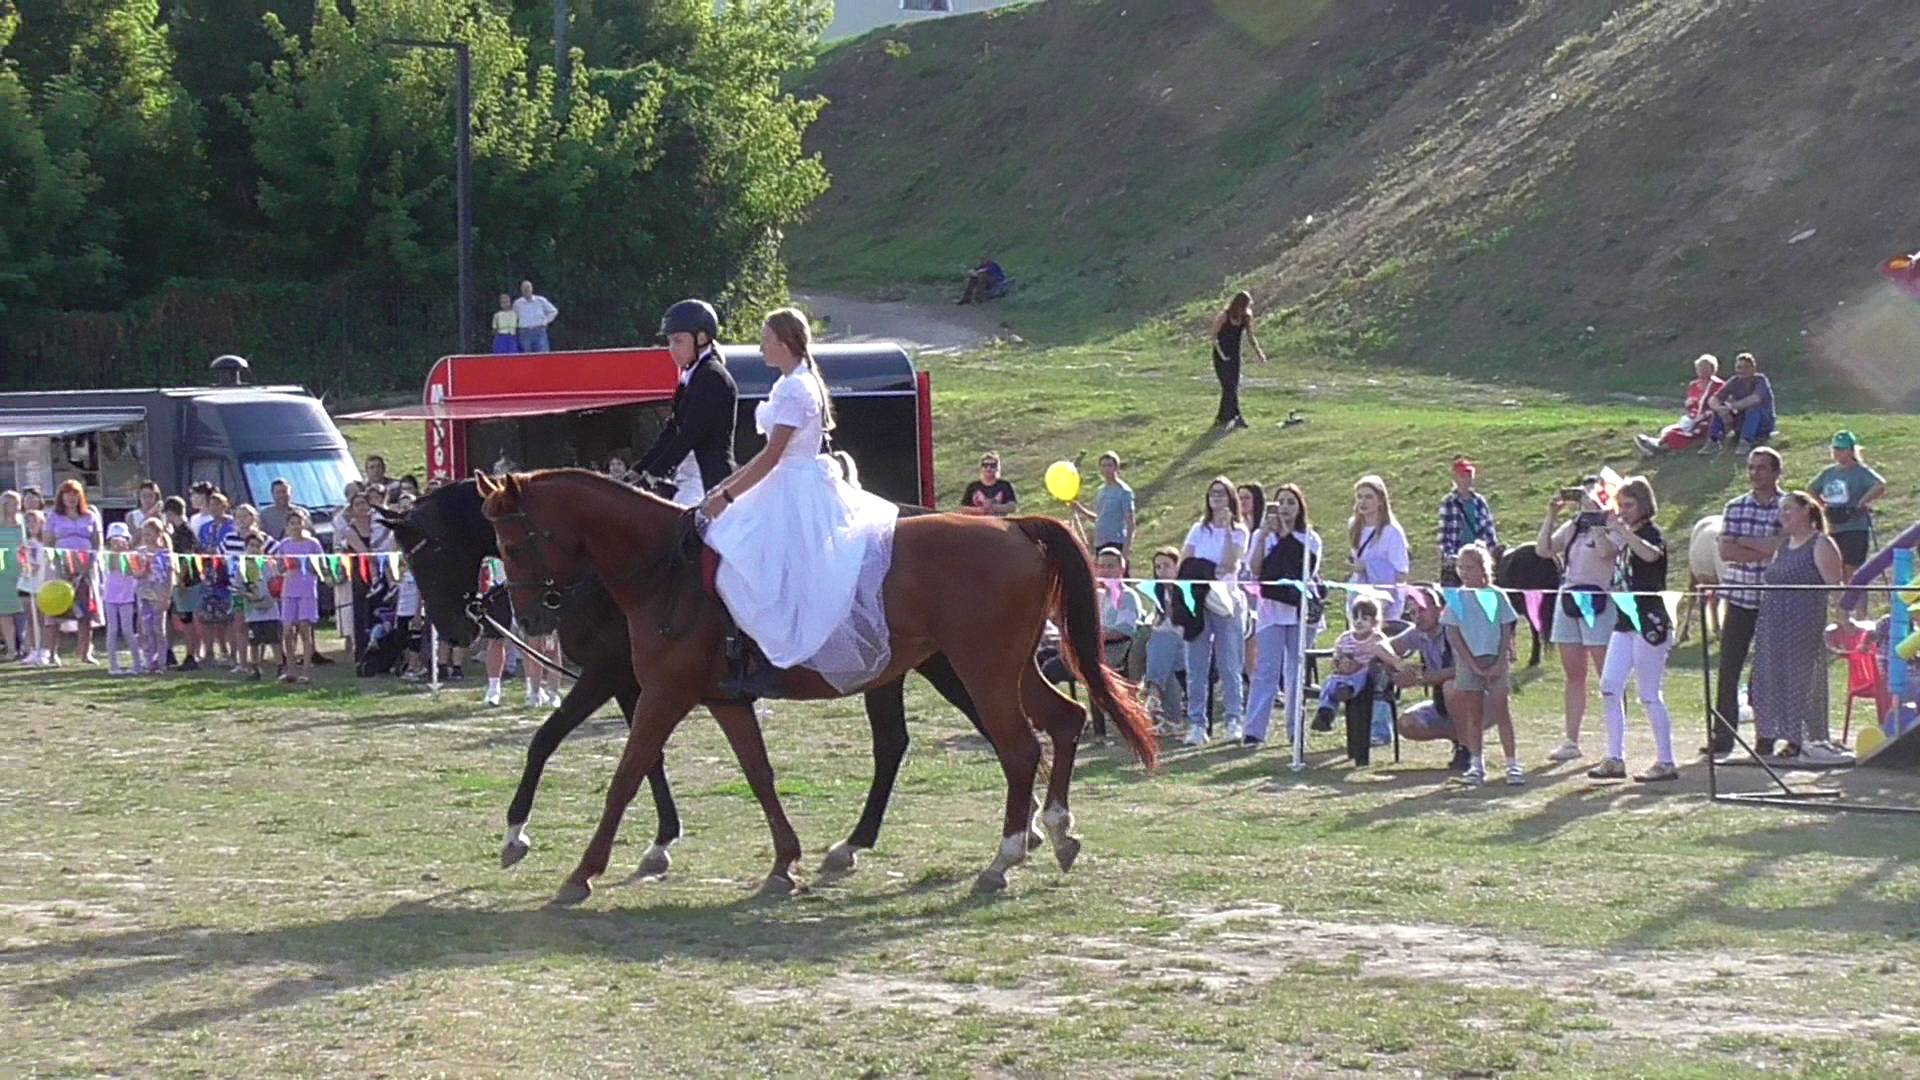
(1844, 440)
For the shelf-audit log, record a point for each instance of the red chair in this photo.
(1864, 679)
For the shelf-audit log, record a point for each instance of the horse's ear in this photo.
(511, 485)
(484, 483)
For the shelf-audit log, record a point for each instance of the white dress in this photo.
(803, 553)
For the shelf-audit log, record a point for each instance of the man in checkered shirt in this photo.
(1464, 518)
(1749, 534)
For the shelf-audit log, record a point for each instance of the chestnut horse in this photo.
(976, 589)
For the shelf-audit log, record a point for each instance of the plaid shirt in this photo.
(1454, 534)
(1746, 518)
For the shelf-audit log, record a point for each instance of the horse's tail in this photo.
(1072, 598)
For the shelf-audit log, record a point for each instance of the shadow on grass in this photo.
(438, 935)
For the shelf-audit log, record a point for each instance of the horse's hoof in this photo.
(571, 894)
(655, 863)
(842, 858)
(512, 853)
(1035, 839)
(1067, 850)
(777, 885)
(990, 881)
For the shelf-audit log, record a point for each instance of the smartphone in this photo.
(1572, 494)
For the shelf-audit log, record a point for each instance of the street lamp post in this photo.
(463, 170)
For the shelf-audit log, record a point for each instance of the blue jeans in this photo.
(1755, 425)
(1276, 659)
(1223, 642)
(534, 339)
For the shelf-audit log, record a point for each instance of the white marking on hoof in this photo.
(842, 858)
(515, 846)
(655, 862)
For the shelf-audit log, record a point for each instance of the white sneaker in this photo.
(1824, 754)
(36, 658)
(1516, 776)
(1568, 750)
(491, 698)
(533, 698)
(1234, 732)
(1196, 736)
(550, 698)
(1474, 777)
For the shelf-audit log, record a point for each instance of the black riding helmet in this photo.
(691, 317)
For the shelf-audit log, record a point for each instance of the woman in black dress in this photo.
(1228, 326)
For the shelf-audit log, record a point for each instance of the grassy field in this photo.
(225, 880)
(220, 879)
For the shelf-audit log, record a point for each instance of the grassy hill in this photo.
(1576, 195)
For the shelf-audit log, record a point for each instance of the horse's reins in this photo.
(554, 595)
(477, 611)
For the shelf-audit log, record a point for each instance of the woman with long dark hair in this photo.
(1220, 645)
(1285, 548)
(1229, 326)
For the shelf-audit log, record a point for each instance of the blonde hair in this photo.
(1478, 552)
(1707, 358)
(789, 325)
(158, 528)
(1354, 524)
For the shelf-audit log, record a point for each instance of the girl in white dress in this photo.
(803, 552)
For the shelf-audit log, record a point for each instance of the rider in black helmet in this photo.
(705, 406)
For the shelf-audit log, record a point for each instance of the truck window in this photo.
(211, 469)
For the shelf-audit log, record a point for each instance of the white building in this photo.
(854, 17)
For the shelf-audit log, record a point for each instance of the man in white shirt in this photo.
(532, 315)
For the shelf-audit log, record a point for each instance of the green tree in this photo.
(112, 102)
(50, 254)
(671, 178)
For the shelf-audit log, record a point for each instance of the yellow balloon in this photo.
(1063, 481)
(55, 598)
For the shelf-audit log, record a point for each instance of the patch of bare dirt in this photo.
(1673, 997)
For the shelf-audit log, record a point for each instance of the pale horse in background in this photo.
(1703, 573)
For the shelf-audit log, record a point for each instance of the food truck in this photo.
(546, 410)
(239, 437)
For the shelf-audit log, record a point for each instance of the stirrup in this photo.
(750, 675)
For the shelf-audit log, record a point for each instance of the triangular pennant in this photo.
(393, 566)
(1186, 594)
(1671, 600)
(1628, 606)
(1583, 600)
(1489, 603)
(1454, 603)
(1141, 587)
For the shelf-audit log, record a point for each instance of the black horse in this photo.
(446, 539)
(1523, 568)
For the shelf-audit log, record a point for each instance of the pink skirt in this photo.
(299, 609)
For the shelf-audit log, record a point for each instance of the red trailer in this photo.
(548, 410)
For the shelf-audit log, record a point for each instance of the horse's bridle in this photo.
(554, 594)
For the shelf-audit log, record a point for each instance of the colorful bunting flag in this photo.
(1583, 600)
(1489, 603)
(1628, 606)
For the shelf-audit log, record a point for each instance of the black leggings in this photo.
(1227, 370)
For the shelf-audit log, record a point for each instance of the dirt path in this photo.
(920, 327)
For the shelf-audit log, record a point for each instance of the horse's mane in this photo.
(598, 483)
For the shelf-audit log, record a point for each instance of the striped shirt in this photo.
(1747, 518)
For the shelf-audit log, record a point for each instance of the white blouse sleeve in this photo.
(791, 403)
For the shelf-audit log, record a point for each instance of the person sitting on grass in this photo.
(985, 282)
(1426, 638)
(1483, 661)
(1354, 653)
(1695, 421)
(1743, 412)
